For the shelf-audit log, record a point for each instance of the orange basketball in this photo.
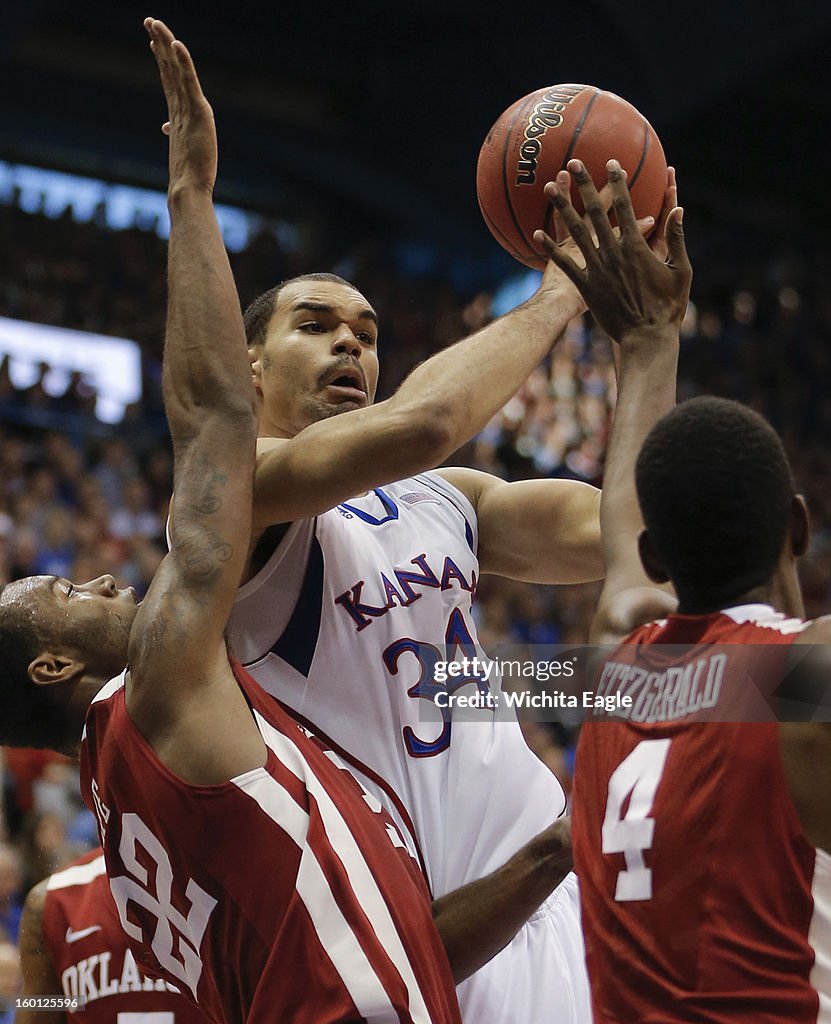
(538, 135)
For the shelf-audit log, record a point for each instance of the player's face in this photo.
(89, 622)
(319, 357)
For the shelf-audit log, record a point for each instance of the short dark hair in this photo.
(30, 716)
(258, 314)
(715, 490)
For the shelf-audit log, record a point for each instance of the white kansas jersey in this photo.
(344, 625)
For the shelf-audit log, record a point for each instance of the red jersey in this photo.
(285, 894)
(88, 950)
(702, 899)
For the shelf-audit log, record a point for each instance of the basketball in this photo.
(538, 135)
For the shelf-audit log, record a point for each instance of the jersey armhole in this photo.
(458, 498)
(273, 563)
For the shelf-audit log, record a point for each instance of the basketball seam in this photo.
(577, 129)
(510, 205)
(639, 168)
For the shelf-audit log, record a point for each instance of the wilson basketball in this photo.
(538, 135)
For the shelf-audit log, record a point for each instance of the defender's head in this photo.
(58, 643)
(312, 342)
(718, 503)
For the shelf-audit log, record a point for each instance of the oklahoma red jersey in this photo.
(88, 950)
(285, 894)
(702, 899)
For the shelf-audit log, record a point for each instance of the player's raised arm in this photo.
(546, 531)
(537, 531)
(441, 405)
(310, 460)
(640, 301)
(176, 645)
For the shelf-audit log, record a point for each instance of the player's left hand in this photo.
(631, 290)
(566, 243)
(191, 129)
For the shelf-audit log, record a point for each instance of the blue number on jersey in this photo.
(457, 637)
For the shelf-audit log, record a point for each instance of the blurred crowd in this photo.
(79, 503)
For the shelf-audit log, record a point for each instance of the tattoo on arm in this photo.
(203, 554)
(201, 548)
(208, 500)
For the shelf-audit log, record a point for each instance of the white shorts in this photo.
(540, 977)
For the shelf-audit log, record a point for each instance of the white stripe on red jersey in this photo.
(364, 884)
(77, 874)
(819, 935)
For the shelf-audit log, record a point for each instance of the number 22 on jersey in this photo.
(636, 777)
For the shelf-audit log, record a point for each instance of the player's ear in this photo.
(255, 357)
(48, 668)
(800, 526)
(650, 561)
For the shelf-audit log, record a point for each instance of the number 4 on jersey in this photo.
(637, 777)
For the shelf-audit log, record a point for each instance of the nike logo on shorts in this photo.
(82, 934)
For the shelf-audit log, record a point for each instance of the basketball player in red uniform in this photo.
(700, 838)
(248, 868)
(72, 944)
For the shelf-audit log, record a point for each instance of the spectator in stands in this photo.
(10, 980)
(11, 891)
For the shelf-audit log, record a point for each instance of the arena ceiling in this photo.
(380, 108)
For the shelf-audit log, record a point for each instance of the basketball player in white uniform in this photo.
(357, 585)
(347, 658)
